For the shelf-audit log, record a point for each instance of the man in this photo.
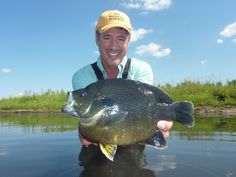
(113, 33)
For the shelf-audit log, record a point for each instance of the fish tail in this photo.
(184, 113)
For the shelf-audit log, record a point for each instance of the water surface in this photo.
(47, 145)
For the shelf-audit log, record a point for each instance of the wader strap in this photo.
(99, 74)
(126, 69)
(97, 71)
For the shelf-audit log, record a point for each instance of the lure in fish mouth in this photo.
(116, 112)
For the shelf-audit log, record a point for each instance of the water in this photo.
(47, 145)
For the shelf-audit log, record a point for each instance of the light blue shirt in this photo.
(139, 70)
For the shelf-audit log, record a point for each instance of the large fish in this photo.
(121, 112)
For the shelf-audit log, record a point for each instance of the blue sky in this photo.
(43, 42)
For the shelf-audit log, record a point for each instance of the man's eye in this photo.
(106, 38)
(121, 39)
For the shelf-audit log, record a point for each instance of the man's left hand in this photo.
(164, 127)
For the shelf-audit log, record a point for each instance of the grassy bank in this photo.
(204, 94)
(201, 94)
(50, 100)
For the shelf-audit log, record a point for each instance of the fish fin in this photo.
(157, 140)
(108, 150)
(184, 113)
(114, 115)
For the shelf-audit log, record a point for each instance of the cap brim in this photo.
(107, 27)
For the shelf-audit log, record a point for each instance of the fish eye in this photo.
(79, 93)
(82, 93)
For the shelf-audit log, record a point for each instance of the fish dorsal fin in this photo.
(108, 150)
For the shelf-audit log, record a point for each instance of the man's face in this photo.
(113, 45)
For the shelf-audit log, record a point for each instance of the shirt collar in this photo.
(99, 63)
(121, 66)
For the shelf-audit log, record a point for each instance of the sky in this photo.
(43, 42)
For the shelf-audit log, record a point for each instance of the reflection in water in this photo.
(46, 145)
(37, 123)
(3, 151)
(128, 162)
(162, 162)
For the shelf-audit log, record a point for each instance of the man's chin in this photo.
(113, 62)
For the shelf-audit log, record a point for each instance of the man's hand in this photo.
(85, 142)
(164, 127)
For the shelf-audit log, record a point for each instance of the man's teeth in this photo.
(113, 54)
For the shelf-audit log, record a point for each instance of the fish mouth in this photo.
(68, 109)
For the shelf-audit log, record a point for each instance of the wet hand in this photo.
(164, 127)
(85, 142)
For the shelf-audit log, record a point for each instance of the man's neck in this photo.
(112, 72)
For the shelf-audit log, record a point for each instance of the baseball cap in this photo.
(113, 18)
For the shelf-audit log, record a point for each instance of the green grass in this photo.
(49, 100)
(204, 94)
(201, 94)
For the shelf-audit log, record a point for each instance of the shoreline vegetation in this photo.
(213, 99)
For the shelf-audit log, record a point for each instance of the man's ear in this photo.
(129, 37)
(97, 35)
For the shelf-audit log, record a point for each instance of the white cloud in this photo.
(144, 13)
(152, 5)
(132, 4)
(152, 49)
(203, 62)
(229, 30)
(219, 41)
(234, 40)
(139, 34)
(5, 70)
